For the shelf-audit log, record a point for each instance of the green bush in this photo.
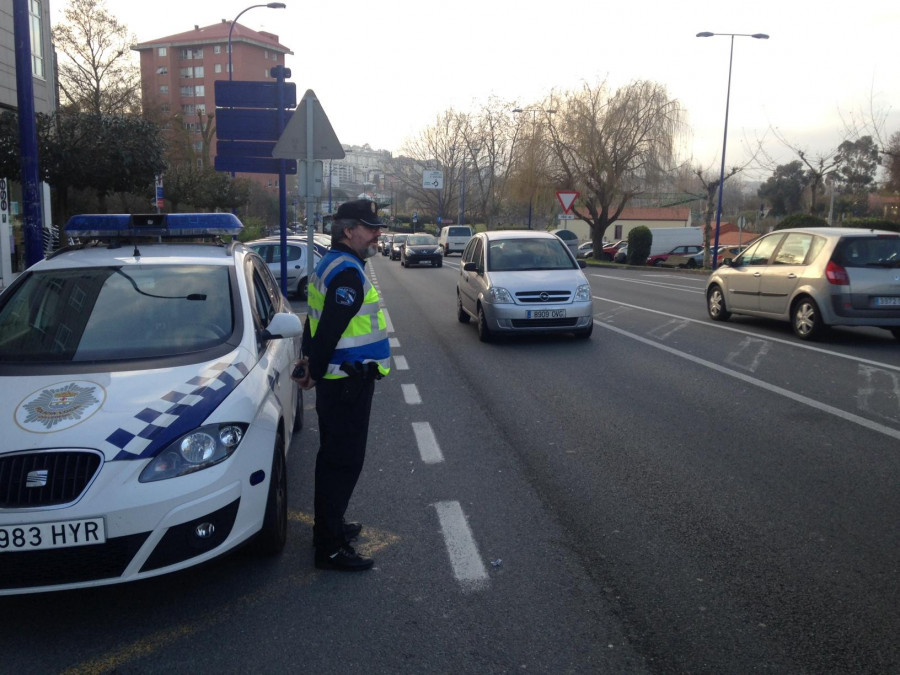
(801, 220)
(640, 240)
(871, 224)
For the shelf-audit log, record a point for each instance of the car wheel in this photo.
(607, 257)
(461, 314)
(658, 262)
(806, 319)
(298, 410)
(715, 304)
(446, 250)
(273, 535)
(585, 333)
(302, 292)
(691, 263)
(484, 333)
(440, 263)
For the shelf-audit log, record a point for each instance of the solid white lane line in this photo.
(799, 398)
(410, 394)
(464, 558)
(709, 323)
(400, 363)
(429, 450)
(387, 320)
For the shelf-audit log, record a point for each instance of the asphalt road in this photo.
(672, 495)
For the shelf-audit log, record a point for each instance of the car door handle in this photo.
(757, 274)
(792, 276)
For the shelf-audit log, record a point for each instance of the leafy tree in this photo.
(892, 163)
(783, 190)
(857, 163)
(612, 146)
(640, 242)
(96, 73)
(801, 220)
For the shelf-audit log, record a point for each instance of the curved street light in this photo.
(534, 112)
(270, 5)
(757, 36)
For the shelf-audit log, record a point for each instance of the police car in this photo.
(145, 384)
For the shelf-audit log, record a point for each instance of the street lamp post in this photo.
(270, 5)
(533, 112)
(757, 36)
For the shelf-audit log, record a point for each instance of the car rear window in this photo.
(883, 251)
(459, 232)
(116, 313)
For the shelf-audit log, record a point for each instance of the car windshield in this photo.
(421, 240)
(399, 238)
(115, 313)
(506, 255)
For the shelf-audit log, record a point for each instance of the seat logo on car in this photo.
(36, 479)
(59, 406)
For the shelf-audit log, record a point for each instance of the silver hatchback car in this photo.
(814, 278)
(522, 281)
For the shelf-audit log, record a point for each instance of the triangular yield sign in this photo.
(566, 198)
(292, 143)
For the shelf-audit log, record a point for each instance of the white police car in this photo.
(148, 404)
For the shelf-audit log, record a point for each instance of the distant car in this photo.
(453, 238)
(585, 250)
(523, 281)
(814, 278)
(269, 250)
(688, 250)
(609, 252)
(386, 245)
(397, 245)
(420, 249)
(569, 238)
(621, 254)
(148, 405)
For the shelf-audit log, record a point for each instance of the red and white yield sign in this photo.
(567, 198)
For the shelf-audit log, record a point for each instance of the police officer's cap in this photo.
(363, 210)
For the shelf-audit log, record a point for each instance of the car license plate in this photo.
(60, 534)
(546, 314)
(887, 301)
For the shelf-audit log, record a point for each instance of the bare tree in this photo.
(96, 74)
(612, 147)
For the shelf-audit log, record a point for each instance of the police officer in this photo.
(345, 348)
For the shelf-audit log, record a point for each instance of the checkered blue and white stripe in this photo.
(177, 412)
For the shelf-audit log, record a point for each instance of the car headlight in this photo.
(195, 451)
(583, 293)
(499, 296)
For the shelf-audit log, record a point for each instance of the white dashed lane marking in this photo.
(461, 548)
(400, 363)
(411, 394)
(429, 449)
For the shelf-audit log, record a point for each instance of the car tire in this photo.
(271, 538)
(585, 333)
(440, 263)
(691, 264)
(658, 262)
(302, 292)
(298, 410)
(806, 320)
(715, 304)
(895, 332)
(446, 250)
(484, 332)
(461, 314)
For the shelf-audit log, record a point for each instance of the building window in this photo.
(164, 107)
(217, 49)
(201, 109)
(218, 67)
(265, 53)
(198, 71)
(187, 91)
(199, 90)
(199, 163)
(189, 109)
(37, 42)
(266, 74)
(188, 54)
(161, 51)
(164, 89)
(162, 70)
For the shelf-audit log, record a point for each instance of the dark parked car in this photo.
(397, 245)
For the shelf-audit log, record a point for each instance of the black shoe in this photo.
(351, 531)
(343, 559)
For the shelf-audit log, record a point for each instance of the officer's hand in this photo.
(300, 374)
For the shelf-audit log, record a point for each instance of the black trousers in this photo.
(343, 408)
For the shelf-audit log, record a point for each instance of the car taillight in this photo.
(836, 274)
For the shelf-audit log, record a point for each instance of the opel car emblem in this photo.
(544, 297)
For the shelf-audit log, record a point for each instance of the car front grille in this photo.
(27, 569)
(47, 478)
(543, 296)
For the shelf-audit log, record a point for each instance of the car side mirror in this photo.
(282, 325)
(470, 267)
(582, 264)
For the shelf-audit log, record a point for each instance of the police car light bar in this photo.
(153, 225)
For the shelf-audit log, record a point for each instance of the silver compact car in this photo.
(522, 281)
(814, 278)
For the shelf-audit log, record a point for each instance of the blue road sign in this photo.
(242, 94)
(255, 165)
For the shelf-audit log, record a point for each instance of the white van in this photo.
(453, 238)
(667, 238)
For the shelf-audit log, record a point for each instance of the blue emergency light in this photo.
(153, 225)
